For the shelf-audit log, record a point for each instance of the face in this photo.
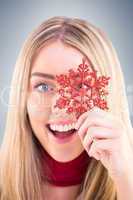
(53, 59)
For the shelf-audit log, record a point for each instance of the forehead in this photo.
(56, 58)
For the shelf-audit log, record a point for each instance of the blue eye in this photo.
(43, 87)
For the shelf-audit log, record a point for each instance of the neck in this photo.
(64, 174)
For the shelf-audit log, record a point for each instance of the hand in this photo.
(105, 138)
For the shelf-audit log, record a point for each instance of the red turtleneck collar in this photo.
(64, 173)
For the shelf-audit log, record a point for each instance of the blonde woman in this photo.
(95, 162)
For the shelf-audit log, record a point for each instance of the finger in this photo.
(87, 140)
(95, 132)
(103, 116)
(99, 123)
(81, 120)
(95, 154)
(95, 135)
(84, 115)
(108, 145)
(92, 151)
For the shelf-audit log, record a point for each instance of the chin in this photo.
(65, 154)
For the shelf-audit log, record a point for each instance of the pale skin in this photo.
(101, 134)
(53, 59)
(104, 137)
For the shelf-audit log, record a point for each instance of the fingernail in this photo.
(76, 126)
(90, 154)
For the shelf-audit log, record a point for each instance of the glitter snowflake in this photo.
(81, 90)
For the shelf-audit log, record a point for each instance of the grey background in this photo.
(19, 18)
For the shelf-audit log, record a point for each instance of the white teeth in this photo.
(62, 128)
(70, 126)
(59, 128)
(54, 127)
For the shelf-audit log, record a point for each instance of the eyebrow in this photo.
(43, 75)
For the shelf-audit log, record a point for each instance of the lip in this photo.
(61, 139)
(61, 122)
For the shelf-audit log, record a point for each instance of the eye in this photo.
(44, 87)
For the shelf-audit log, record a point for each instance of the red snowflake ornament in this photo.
(81, 90)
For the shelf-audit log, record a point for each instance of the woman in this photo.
(37, 161)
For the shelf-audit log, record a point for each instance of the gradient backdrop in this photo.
(19, 18)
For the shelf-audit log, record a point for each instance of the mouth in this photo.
(61, 134)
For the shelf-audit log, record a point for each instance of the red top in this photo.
(64, 173)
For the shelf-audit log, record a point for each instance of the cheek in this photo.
(38, 108)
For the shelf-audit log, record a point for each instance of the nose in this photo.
(54, 108)
(57, 113)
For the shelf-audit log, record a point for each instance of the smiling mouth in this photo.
(61, 133)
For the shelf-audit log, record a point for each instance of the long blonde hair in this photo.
(20, 177)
